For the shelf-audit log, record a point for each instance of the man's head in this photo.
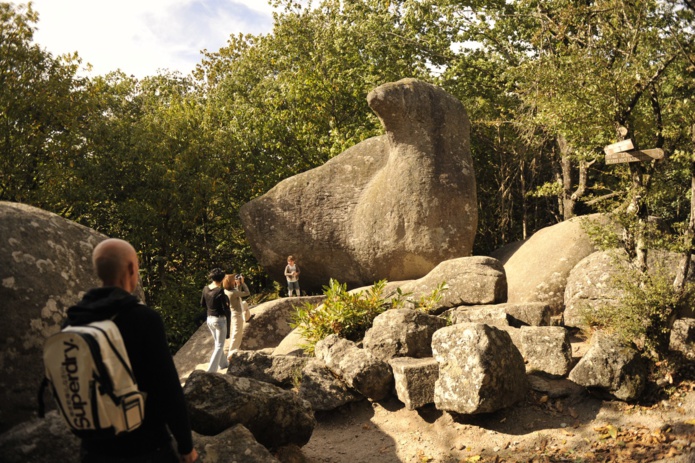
(116, 264)
(216, 275)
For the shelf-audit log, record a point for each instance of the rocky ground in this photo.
(558, 422)
(574, 428)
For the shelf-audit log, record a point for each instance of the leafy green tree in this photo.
(41, 107)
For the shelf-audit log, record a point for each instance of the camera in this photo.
(238, 276)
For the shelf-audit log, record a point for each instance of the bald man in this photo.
(142, 329)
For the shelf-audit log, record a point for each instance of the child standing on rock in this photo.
(292, 275)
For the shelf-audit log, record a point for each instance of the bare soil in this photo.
(558, 422)
(578, 428)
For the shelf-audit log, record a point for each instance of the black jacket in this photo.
(144, 337)
(215, 301)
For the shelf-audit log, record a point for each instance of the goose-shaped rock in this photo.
(391, 207)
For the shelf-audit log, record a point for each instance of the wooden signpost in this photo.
(624, 145)
(635, 156)
(624, 151)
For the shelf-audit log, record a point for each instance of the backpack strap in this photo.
(42, 390)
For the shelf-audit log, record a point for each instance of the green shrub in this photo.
(645, 312)
(350, 315)
(342, 313)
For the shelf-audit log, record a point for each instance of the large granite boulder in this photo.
(611, 369)
(271, 323)
(40, 440)
(45, 267)
(537, 271)
(682, 338)
(292, 344)
(480, 369)
(233, 445)
(473, 280)
(592, 286)
(275, 417)
(358, 368)
(391, 207)
(402, 333)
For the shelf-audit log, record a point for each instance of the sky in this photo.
(139, 37)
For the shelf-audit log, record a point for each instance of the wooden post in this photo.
(679, 282)
(635, 243)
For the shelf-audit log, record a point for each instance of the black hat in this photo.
(216, 274)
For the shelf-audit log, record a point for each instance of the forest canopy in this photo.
(166, 161)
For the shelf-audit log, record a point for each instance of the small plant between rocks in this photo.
(350, 314)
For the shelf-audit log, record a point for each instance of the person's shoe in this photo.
(251, 317)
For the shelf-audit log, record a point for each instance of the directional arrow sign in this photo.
(624, 145)
(635, 156)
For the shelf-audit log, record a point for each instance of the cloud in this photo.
(190, 27)
(141, 36)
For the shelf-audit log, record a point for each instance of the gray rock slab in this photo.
(233, 445)
(476, 280)
(554, 388)
(402, 333)
(358, 368)
(414, 379)
(276, 417)
(281, 371)
(528, 313)
(547, 349)
(682, 337)
(322, 389)
(611, 368)
(494, 315)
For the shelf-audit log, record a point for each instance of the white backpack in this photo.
(92, 381)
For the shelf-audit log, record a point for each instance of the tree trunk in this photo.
(569, 197)
(568, 202)
(636, 207)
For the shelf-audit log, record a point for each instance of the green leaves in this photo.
(347, 314)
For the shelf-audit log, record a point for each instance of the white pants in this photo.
(237, 330)
(218, 328)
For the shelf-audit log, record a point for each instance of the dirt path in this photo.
(573, 428)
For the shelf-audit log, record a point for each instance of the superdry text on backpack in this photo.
(92, 381)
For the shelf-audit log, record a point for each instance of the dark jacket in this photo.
(215, 301)
(217, 304)
(144, 337)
